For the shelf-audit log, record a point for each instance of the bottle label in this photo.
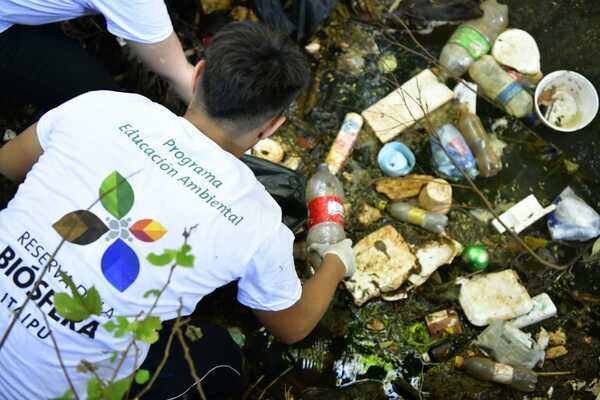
(417, 216)
(324, 209)
(509, 92)
(503, 373)
(471, 40)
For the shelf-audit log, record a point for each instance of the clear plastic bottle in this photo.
(497, 84)
(450, 138)
(433, 222)
(473, 39)
(487, 370)
(478, 140)
(325, 198)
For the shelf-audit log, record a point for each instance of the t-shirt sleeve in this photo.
(270, 282)
(142, 21)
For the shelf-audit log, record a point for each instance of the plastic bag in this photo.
(299, 21)
(573, 219)
(286, 186)
(454, 143)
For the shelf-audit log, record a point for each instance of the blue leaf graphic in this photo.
(120, 265)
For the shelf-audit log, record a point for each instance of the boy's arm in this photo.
(166, 58)
(18, 155)
(296, 322)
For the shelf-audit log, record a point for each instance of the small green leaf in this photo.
(114, 356)
(118, 389)
(110, 325)
(142, 376)
(123, 327)
(160, 260)
(183, 258)
(92, 301)
(69, 308)
(596, 247)
(67, 396)
(152, 292)
(94, 389)
(147, 329)
(186, 261)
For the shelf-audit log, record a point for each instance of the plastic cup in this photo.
(396, 159)
(580, 88)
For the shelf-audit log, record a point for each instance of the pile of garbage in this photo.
(505, 69)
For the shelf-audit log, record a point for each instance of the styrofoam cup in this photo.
(580, 88)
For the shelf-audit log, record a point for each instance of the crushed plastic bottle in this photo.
(433, 222)
(487, 370)
(498, 85)
(325, 197)
(473, 39)
(479, 141)
(509, 345)
(452, 140)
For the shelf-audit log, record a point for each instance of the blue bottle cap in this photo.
(396, 159)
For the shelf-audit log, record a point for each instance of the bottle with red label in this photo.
(325, 198)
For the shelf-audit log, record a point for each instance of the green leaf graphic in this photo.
(116, 195)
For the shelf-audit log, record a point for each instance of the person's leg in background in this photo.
(217, 358)
(39, 65)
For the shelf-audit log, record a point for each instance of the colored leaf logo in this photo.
(116, 195)
(120, 265)
(80, 227)
(147, 230)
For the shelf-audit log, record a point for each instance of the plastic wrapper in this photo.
(573, 219)
(285, 186)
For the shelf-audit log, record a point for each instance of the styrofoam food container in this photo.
(573, 85)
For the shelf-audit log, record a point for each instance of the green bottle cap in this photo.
(477, 257)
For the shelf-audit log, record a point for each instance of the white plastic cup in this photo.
(580, 88)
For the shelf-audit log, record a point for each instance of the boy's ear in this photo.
(271, 127)
(197, 75)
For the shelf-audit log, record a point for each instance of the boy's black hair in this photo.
(252, 74)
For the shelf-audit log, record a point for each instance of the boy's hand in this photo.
(343, 250)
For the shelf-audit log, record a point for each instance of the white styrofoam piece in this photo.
(466, 93)
(498, 295)
(543, 308)
(517, 49)
(522, 214)
(403, 107)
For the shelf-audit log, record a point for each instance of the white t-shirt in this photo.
(169, 177)
(143, 21)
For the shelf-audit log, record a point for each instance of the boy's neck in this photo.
(210, 129)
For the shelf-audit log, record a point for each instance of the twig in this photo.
(178, 322)
(190, 362)
(58, 355)
(251, 388)
(273, 382)
(557, 373)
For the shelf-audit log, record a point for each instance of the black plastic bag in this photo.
(285, 185)
(445, 10)
(299, 20)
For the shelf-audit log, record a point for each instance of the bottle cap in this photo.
(396, 159)
(477, 257)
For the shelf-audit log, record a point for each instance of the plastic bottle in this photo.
(325, 197)
(433, 222)
(497, 84)
(450, 138)
(487, 370)
(344, 141)
(473, 39)
(478, 140)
